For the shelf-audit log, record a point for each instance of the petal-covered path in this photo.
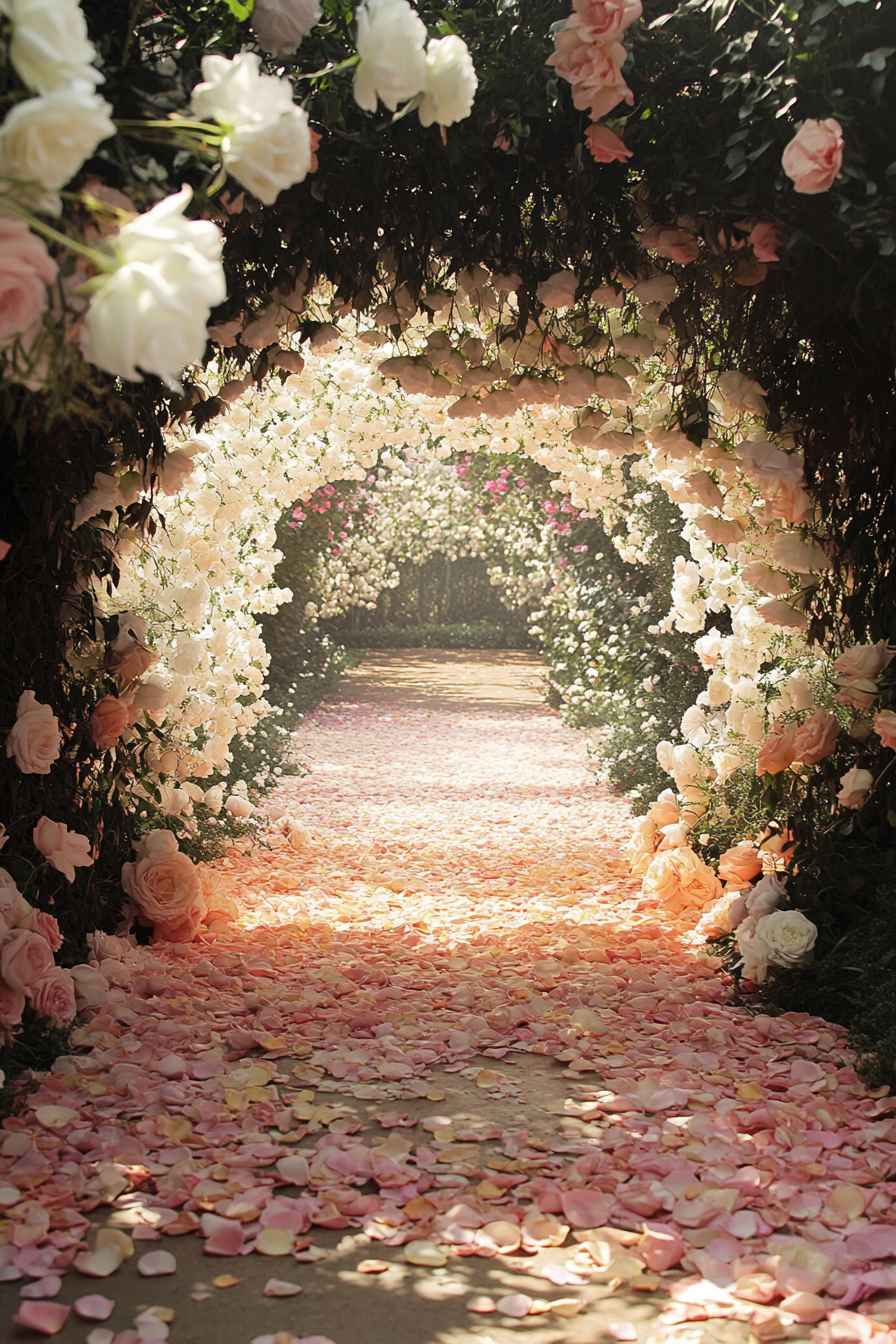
(448, 1079)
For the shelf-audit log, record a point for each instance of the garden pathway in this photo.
(446, 1055)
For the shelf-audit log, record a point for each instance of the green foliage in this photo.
(460, 635)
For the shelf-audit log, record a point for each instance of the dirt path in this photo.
(445, 1017)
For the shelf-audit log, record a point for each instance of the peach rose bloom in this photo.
(165, 887)
(131, 663)
(680, 879)
(24, 958)
(53, 996)
(885, 726)
(776, 752)
(108, 721)
(740, 864)
(604, 145)
(864, 662)
(765, 238)
(814, 156)
(816, 738)
(603, 20)
(66, 850)
(38, 921)
(593, 70)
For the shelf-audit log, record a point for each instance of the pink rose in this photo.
(765, 238)
(165, 887)
(12, 1005)
(814, 156)
(855, 786)
(26, 269)
(603, 20)
(740, 864)
(53, 996)
(24, 958)
(816, 738)
(885, 726)
(39, 922)
(108, 721)
(605, 145)
(776, 752)
(864, 660)
(13, 906)
(34, 739)
(130, 662)
(593, 70)
(66, 850)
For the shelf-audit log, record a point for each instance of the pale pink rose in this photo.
(677, 244)
(605, 145)
(66, 850)
(865, 661)
(766, 238)
(855, 786)
(603, 20)
(24, 958)
(740, 864)
(816, 738)
(885, 726)
(53, 996)
(814, 156)
(91, 987)
(130, 662)
(165, 887)
(34, 739)
(776, 752)
(108, 721)
(12, 1005)
(13, 906)
(38, 921)
(593, 70)
(26, 269)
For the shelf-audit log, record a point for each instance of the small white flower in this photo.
(391, 38)
(450, 82)
(50, 48)
(45, 140)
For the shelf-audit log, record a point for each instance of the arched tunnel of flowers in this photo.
(508, 326)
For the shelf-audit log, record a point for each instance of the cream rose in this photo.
(816, 738)
(165, 887)
(66, 850)
(814, 156)
(34, 740)
(47, 139)
(855, 786)
(50, 48)
(24, 958)
(641, 845)
(108, 721)
(885, 727)
(53, 996)
(91, 987)
(788, 936)
(391, 38)
(450, 82)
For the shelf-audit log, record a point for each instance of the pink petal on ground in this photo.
(227, 1240)
(94, 1307)
(562, 1277)
(100, 1336)
(622, 1330)
(47, 1287)
(281, 1288)
(586, 1208)
(515, 1304)
(293, 1169)
(877, 1242)
(156, 1263)
(808, 1308)
(661, 1250)
(47, 1318)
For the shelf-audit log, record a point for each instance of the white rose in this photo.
(34, 739)
(151, 312)
(47, 139)
(391, 38)
(450, 82)
(214, 798)
(855, 786)
(753, 952)
(238, 807)
(280, 25)
(788, 936)
(50, 48)
(267, 143)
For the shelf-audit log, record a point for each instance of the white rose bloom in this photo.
(450, 82)
(151, 313)
(280, 25)
(788, 936)
(267, 143)
(391, 38)
(47, 139)
(50, 48)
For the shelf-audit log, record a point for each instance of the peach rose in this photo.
(130, 662)
(603, 20)
(855, 786)
(53, 996)
(864, 662)
(604, 145)
(740, 864)
(24, 958)
(885, 727)
(34, 739)
(776, 752)
(816, 738)
(26, 269)
(814, 156)
(664, 811)
(66, 850)
(677, 878)
(765, 238)
(165, 887)
(593, 70)
(108, 721)
(39, 922)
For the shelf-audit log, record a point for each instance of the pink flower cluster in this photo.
(28, 971)
(589, 55)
